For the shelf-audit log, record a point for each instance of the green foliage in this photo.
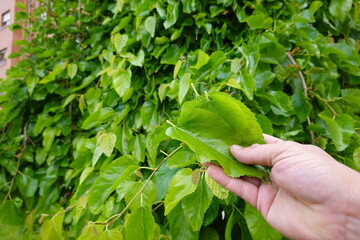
(83, 121)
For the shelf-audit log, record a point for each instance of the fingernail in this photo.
(236, 147)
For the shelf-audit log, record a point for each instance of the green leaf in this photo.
(139, 147)
(231, 222)
(340, 8)
(184, 85)
(181, 186)
(195, 205)
(122, 81)
(339, 129)
(172, 14)
(52, 229)
(281, 104)
(258, 227)
(247, 83)
(259, 21)
(202, 59)
(210, 125)
(152, 142)
(216, 60)
(180, 228)
(136, 60)
(264, 78)
(108, 181)
(177, 68)
(48, 137)
(107, 143)
(145, 198)
(301, 106)
(72, 70)
(10, 214)
(182, 158)
(69, 99)
(162, 180)
(172, 54)
(356, 157)
(120, 41)
(139, 224)
(112, 234)
(352, 97)
(27, 183)
(97, 117)
(150, 25)
(58, 68)
(218, 190)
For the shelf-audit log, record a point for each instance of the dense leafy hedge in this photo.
(83, 147)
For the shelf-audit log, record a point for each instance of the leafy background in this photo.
(83, 115)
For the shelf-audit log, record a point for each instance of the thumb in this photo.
(266, 154)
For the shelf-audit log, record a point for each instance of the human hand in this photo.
(312, 196)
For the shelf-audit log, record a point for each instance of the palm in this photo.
(301, 195)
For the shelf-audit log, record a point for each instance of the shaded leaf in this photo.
(195, 205)
(258, 227)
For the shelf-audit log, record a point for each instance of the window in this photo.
(2, 56)
(5, 19)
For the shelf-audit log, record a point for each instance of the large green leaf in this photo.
(181, 186)
(108, 181)
(340, 8)
(195, 205)
(139, 225)
(210, 125)
(52, 229)
(144, 199)
(180, 228)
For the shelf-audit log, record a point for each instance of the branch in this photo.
(117, 216)
(303, 83)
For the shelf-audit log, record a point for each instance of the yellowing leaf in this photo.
(195, 177)
(122, 81)
(72, 70)
(120, 41)
(218, 190)
(150, 25)
(107, 143)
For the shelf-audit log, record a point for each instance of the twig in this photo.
(117, 216)
(19, 155)
(56, 215)
(303, 83)
(159, 205)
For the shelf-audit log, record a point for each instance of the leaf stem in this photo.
(117, 216)
(193, 87)
(303, 83)
(56, 215)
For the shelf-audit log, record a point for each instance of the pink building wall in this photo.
(7, 37)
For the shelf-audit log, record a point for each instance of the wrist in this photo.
(352, 223)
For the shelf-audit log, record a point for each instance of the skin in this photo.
(312, 196)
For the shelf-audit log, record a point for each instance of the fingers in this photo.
(264, 154)
(271, 139)
(241, 187)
